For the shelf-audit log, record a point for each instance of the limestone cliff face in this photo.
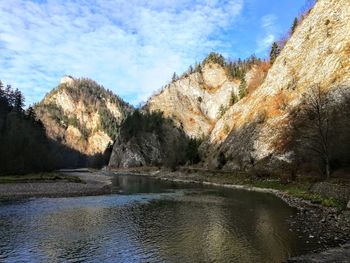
(147, 139)
(194, 102)
(317, 53)
(148, 149)
(82, 115)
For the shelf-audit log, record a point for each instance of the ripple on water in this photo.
(150, 222)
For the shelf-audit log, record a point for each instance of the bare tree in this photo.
(312, 125)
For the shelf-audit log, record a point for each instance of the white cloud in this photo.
(268, 24)
(131, 47)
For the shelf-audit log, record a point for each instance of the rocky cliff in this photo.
(149, 139)
(196, 101)
(316, 54)
(82, 115)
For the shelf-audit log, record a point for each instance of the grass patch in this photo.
(39, 177)
(298, 189)
(301, 190)
(315, 198)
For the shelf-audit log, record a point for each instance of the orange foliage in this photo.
(259, 75)
(277, 104)
(283, 140)
(192, 121)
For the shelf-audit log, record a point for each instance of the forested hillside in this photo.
(82, 115)
(24, 145)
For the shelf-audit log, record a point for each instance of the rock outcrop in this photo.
(148, 140)
(82, 115)
(194, 101)
(316, 54)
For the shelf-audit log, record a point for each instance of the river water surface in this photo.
(151, 221)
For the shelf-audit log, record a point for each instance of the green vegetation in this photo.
(24, 146)
(222, 111)
(221, 160)
(175, 146)
(96, 98)
(175, 77)
(243, 91)
(274, 53)
(295, 25)
(139, 122)
(235, 69)
(215, 58)
(21, 135)
(58, 115)
(109, 123)
(39, 177)
(233, 99)
(192, 153)
(299, 189)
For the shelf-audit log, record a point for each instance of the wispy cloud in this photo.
(270, 29)
(131, 47)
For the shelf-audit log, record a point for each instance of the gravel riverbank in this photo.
(93, 183)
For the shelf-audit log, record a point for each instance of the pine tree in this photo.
(31, 114)
(9, 95)
(233, 98)
(198, 68)
(174, 78)
(274, 53)
(243, 88)
(18, 100)
(295, 25)
(190, 70)
(3, 102)
(2, 92)
(215, 58)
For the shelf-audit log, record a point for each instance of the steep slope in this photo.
(82, 115)
(194, 101)
(317, 54)
(148, 139)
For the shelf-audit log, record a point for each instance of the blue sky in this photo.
(129, 46)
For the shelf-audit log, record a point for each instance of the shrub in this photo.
(221, 160)
(243, 88)
(233, 98)
(214, 58)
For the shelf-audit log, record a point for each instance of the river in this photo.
(148, 220)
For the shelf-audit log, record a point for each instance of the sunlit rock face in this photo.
(74, 113)
(194, 101)
(317, 53)
(67, 80)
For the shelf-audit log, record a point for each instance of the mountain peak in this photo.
(67, 79)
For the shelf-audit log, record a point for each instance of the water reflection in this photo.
(151, 222)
